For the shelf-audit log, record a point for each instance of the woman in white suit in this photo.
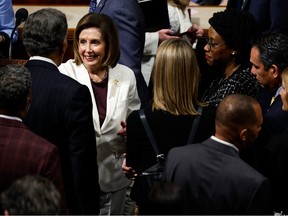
(114, 96)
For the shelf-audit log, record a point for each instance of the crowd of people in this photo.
(72, 130)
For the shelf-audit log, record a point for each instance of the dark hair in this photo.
(15, 85)
(236, 110)
(44, 32)
(273, 49)
(165, 198)
(33, 195)
(109, 33)
(237, 28)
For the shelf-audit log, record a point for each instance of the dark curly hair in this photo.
(15, 85)
(237, 28)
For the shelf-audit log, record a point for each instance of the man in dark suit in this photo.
(129, 20)
(23, 152)
(269, 57)
(215, 179)
(270, 14)
(61, 109)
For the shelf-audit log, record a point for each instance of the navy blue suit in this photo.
(275, 119)
(270, 14)
(61, 112)
(129, 20)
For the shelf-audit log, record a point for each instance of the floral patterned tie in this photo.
(93, 4)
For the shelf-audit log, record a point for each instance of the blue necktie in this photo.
(93, 4)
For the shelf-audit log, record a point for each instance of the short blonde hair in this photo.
(176, 77)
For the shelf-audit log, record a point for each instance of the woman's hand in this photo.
(122, 132)
(128, 171)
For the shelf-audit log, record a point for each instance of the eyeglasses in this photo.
(212, 45)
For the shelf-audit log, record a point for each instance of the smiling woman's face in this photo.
(91, 48)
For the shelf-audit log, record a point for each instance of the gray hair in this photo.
(33, 195)
(44, 31)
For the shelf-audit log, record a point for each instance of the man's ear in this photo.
(275, 71)
(63, 47)
(28, 102)
(243, 135)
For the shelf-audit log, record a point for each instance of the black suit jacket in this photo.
(216, 180)
(61, 112)
(275, 165)
(275, 119)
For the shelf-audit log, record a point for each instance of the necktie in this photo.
(93, 4)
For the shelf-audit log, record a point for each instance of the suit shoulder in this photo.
(124, 71)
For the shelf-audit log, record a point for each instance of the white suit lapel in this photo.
(114, 83)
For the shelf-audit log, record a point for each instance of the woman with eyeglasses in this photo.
(228, 50)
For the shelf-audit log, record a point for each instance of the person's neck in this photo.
(55, 57)
(230, 69)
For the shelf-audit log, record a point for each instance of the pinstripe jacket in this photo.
(60, 112)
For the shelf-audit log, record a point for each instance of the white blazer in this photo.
(122, 99)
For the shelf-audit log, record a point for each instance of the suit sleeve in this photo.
(278, 16)
(131, 47)
(260, 202)
(52, 170)
(83, 153)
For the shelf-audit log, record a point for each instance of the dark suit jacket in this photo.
(61, 112)
(270, 14)
(275, 119)
(275, 165)
(216, 180)
(24, 153)
(129, 20)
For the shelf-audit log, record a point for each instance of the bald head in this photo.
(238, 119)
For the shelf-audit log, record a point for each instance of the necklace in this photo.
(97, 78)
(232, 71)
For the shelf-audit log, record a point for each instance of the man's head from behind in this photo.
(45, 33)
(238, 120)
(15, 90)
(269, 57)
(33, 195)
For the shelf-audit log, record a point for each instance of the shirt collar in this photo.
(224, 142)
(41, 58)
(278, 91)
(10, 117)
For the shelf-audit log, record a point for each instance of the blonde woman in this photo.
(173, 109)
